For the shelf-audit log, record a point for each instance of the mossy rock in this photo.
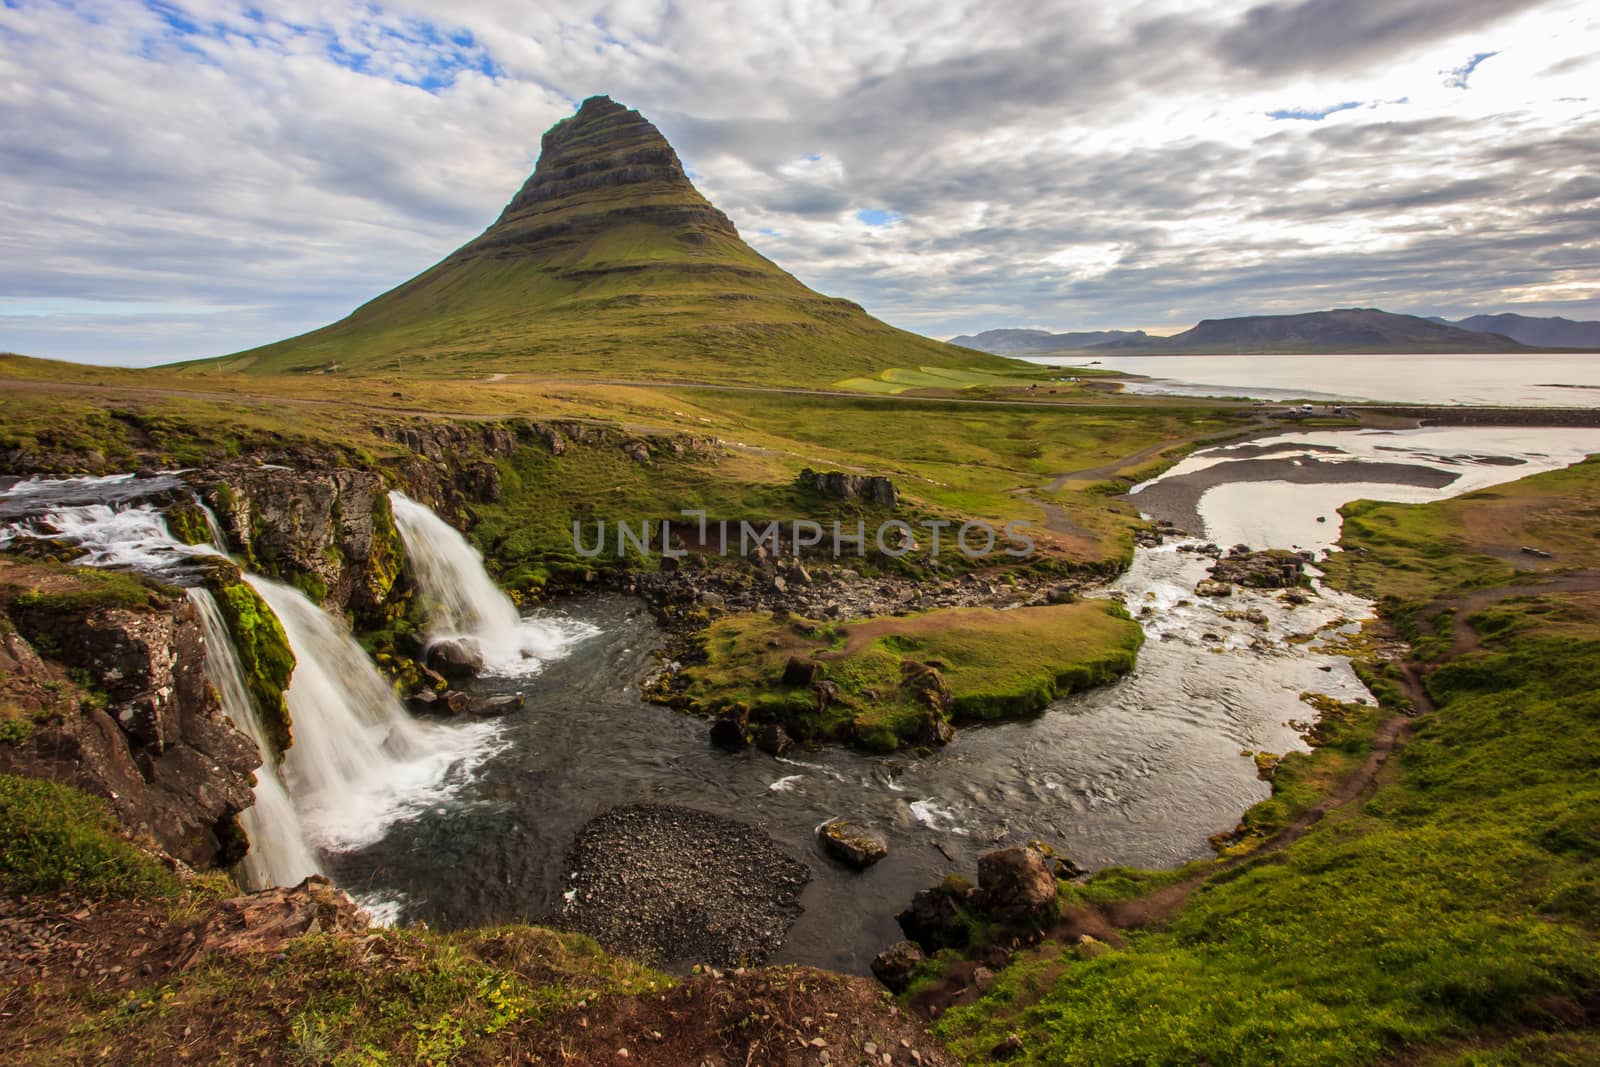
(264, 654)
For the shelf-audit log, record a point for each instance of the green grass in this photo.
(54, 837)
(396, 996)
(997, 664)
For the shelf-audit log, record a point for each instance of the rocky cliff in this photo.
(103, 687)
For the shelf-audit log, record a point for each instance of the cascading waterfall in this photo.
(278, 852)
(462, 601)
(358, 761)
(219, 539)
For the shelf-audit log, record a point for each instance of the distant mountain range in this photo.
(1543, 332)
(1028, 342)
(1352, 330)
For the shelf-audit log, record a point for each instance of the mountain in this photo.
(1033, 342)
(1553, 332)
(1317, 332)
(610, 264)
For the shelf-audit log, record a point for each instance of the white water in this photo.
(134, 537)
(358, 761)
(462, 601)
(278, 852)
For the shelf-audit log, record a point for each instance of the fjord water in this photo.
(1527, 380)
(462, 601)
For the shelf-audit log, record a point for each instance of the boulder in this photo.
(800, 672)
(825, 693)
(1208, 587)
(934, 921)
(491, 707)
(455, 657)
(1016, 886)
(731, 730)
(896, 965)
(852, 844)
(774, 740)
(268, 921)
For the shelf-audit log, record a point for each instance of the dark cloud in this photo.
(1321, 35)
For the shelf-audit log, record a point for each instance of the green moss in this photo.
(188, 524)
(94, 589)
(54, 837)
(264, 654)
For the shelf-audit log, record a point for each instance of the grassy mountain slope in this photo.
(608, 263)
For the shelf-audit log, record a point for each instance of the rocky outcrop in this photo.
(896, 965)
(266, 922)
(149, 734)
(1016, 886)
(1270, 569)
(838, 485)
(329, 532)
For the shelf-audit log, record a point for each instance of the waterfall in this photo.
(462, 601)
(278, 852)
(219, 539)
(358, 761)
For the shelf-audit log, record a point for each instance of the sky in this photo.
(184, 178)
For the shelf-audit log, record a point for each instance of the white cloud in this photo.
(225, 179)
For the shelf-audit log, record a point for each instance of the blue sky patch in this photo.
(876, 216)
(1457, 77)
(1312, 114)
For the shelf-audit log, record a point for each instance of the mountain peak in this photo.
(603, 166)
(608, 261)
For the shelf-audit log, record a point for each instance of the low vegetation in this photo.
(53, 837)
(895, 678)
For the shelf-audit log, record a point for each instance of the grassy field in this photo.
(990, 461)
(1451, 918)
(996, 664)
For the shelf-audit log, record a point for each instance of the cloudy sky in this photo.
(184, 178)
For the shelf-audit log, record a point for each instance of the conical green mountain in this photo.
(608, 264)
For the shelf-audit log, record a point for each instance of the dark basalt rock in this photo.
(896, 965)
(1270, 569)
(455, 657)
(839, 485)
(774, 740)
(1016, 886)
(934, 921)
(160, 750)
(731, 730)
(852, 844)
